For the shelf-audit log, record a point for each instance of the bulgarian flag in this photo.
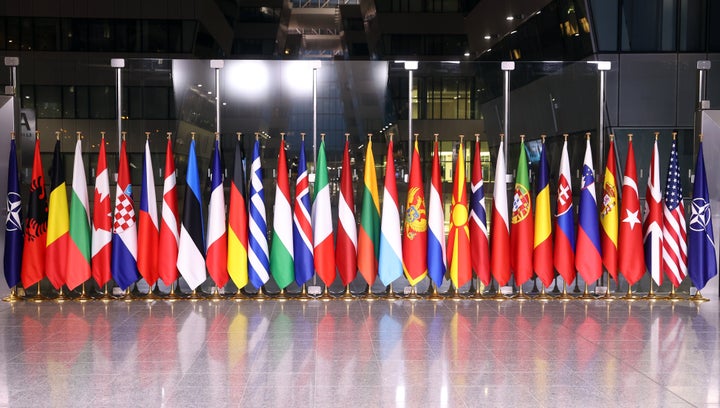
(458, 248)
(281, 250)
(78, 255)
(521, 230)
(415, 237)
(324, 250)
(58, 223)
(369, 234)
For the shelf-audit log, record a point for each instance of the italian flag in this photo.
(322, 221)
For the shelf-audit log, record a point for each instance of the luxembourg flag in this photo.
(216, 233)
(390, 266)
(124, 239)
(147, 258)
(436, 260)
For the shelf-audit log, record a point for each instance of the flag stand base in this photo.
(260, 296)
(370, 296)
(673, 297)
(12, 297)
(83, 298)
(543, 296)
(239, 296)
(216, 296)
(390, 294)
(281, 297)
(477, 294)
(521, 296)
(61, 298)
(326, 297)
(303, 297)
(194, 297)
(564, 296)
(434, 295)
(650, 297)
(151, 296)
(586, 296)
(699, 298)
(413, 296)
(499, 297)
(347, 295)
(629, 297)
(128, 297)
(106, 297)
(173, 296)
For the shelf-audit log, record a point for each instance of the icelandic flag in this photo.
(124, 240)
(191, 247)
(702, 263)
(12, 260)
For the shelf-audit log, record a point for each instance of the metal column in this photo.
(118, 64)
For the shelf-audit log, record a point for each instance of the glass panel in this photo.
(49, 103)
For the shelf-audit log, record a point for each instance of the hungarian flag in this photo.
(258, 257)
(652, 236)
(479, 247)
(437, 263)
(542, 249)
(102, 221)
(217, 254)
(499, 229)
(58, 223)
(458, 250)
(702, 264)
(12, 259)
(588, 261)
(191, 245)
(632, 265)
(369, 234)
(324, 251)
(147, 257)
(390, 266)
(78, 254)
(124, 239)
(237, 262)
(415, 237)
(170, 221)
(281, 251)
(346, 247)
(521, 230)
(302, 225)
(674, 227)
(609, 215)
(564, 250)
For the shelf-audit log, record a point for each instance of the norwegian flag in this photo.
(674, 228)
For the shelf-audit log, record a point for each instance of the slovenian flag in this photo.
(258, 258)
(216, 233)
(79, 246)
(12, 260)
(124, 239)
(191, 245)
(437, 264)
(147, 257)
(281, 250)
(588, 261)
(390, 266)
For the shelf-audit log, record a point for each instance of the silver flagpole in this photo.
(118, 64)
(217, 65)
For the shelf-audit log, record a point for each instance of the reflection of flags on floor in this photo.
(12, 259)
(702, 264)
(674, 227)
(147, 257)
(587, 256)
(609, 214)
(191, 245)
(258, 258)
(499, 231)
(238, 221)
(217, 254)
(564, 251)
(436, 224)
(631, 264)
(458, 249)
(521, 229)
(324, 251)
(414, 244)
(58, 223)
(102, 221)
(652, 222)
(78, 256)
(346, 247)
(170, 221)
(479, 247)
(390, 266)
(124, 239)
(369, 234)
(542, 248)
(281, 250)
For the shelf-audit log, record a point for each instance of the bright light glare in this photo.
(248, 79)
(298, 77)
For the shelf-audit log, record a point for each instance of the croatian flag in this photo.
(124, 239)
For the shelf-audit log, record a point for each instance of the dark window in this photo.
(48, 102)
(102, 102)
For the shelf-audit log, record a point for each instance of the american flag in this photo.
(674, 230)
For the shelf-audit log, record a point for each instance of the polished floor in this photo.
(360, 354)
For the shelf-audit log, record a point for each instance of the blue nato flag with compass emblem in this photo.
(13, 225)
(702, 265)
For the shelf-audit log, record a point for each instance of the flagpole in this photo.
(118, 64)
(13, 297)
(499, 296)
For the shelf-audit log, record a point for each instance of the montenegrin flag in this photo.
(632, 265)
(521, 230)
(124, 238)
(543, 250)
(390, 266)
(479, 246)
(191, 245)
(12, 260)
(147, 257)
(216, 260)
(702, 261)
(78, 256)
(458, 249)
(415, 237)
(36, 224)
(324, 251)
(437, 263)
(258, 254)
(369, 234)
(170, 222)
(346, 247)
(609, 214)
(281, 251)
(652, 236)
(102, 221)
(237, 262)
(588, 261)
(58, 223)
(674, 227)
(302, 225)
(499, 229)
(564, 249)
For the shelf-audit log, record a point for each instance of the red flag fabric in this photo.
(346, 245)
(630, 251)
(414, 243)
(169, 222)
(522, 228)
(33, 260)
(499, 229)
(459, 264)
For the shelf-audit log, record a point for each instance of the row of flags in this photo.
(62, 243)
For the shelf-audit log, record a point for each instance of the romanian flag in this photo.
(631, 229)
(564, 251)
(102, 221)
(346, 247)
(588, 261)
(458, 249)
(480, 248)
(124, 239)
(390, 266)
(12, 260)
(147, 256)
(79, 247)
(170, 222)
(191, 245)
(543, 250)
(369, 234)
(216, 260)
(237, 262)
(282, 265)
(415, 238)
(58, 223)
(609, 214)
(499, 229)
(437, 263)
(324, 251)
(521, 230)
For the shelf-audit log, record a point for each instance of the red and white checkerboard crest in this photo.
(124, 214)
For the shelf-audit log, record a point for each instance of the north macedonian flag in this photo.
(414, 244)
(458, 248)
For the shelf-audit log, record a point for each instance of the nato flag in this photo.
(13, 225)
(702, 265)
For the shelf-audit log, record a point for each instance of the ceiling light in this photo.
(513, 31)
(487, 37)
(509, 18)
(467, 53)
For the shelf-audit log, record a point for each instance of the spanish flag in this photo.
(414, 244)
(609, 215)
(459, 237)
(58, 223)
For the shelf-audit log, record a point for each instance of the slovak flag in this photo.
(564, 249)
(124, 239)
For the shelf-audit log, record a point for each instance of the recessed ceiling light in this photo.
(487, 37)
(510, 18)
(467, 53)
(513, 31)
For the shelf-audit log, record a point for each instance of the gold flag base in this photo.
(260, 296)
(413, 296)
(239, 296)
(61, 298)
(173, 296)
(520, 296)
(303, 296)
(216, 296)
(106, 296)
(281, 297)
(369, 295)
(194, 296)
(128, 297)
(543, 296)
(672, 296)
(629, 297)
(564, 296)
(12, 297)
(498, 296)
(347, 295)
(83, 298)
(477, 294)
(390, 294)
(326, 296)
(699, 298)
(586, 296)
(434, 294)
(151, 296)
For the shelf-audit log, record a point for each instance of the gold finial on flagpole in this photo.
(79, 135)
(674, 134)
(282, 136)
(656, 135)
(302, 136)
(147, 135)
(238, 135)
(192, 135)
(611, 136)
(522, 138)
(587, 135)
(37, 134)
(123, 134)
(502, 136)
(12, 135)
(347, 137)
(102, 134)
(217, 135)
(322, 137)
(565, 135)
(542, 137)
(417, 135)
(391, 134)
(630, 135)
(57, 135)
(168, 135)
(461, 138)
(477, 137)
(701, 136)
(257, 136)
(436, 136)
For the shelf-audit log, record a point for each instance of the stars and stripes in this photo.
(674, 230)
